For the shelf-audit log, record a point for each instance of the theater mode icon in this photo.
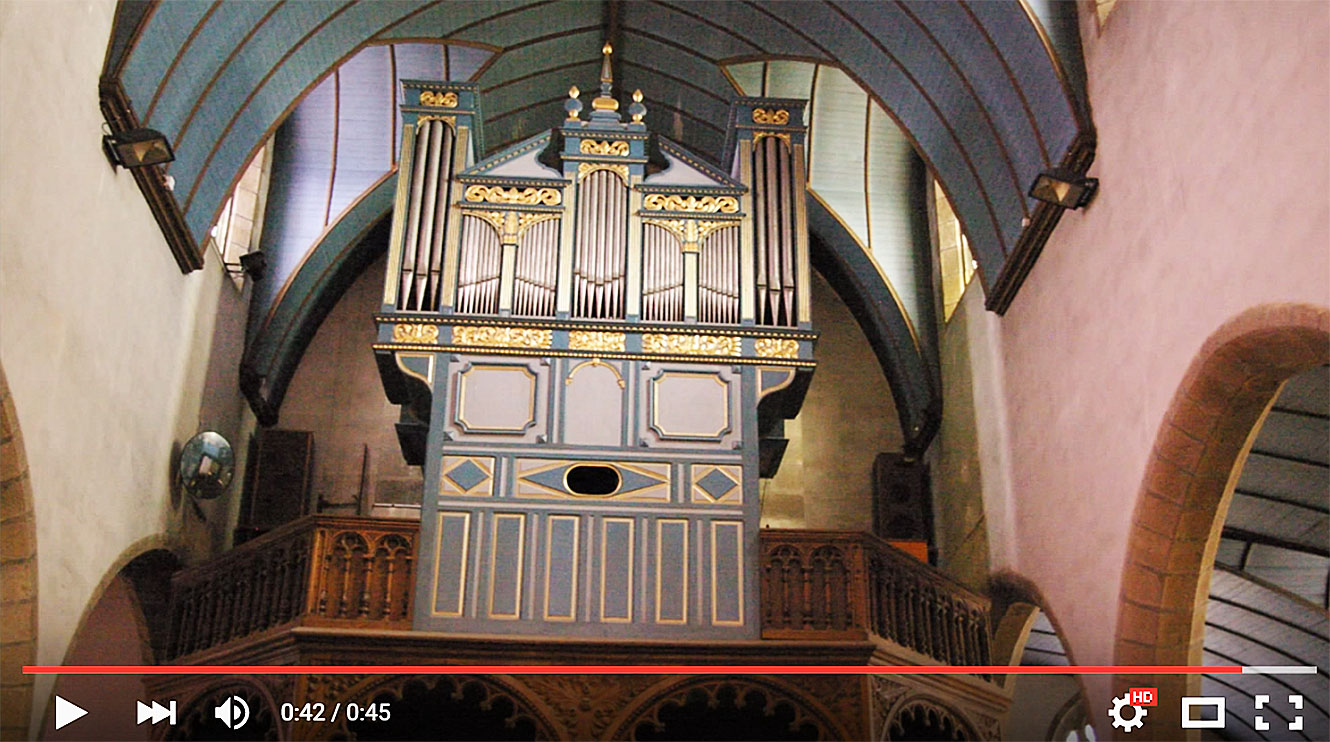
(1191, 705)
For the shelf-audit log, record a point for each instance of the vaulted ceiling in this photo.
(987, 94)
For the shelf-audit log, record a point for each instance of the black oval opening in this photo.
(592, 479)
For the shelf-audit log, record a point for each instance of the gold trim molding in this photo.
(586, 168)
(781, 135)
(706, 204)
(776, 348)
(438, 100)
(416, 333)
(502, 337)
(774, 116)
(617, 148)
(692, 345)
(593, 340)
(501, 195)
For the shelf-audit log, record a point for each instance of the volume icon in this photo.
(233, 712)
(156, 712)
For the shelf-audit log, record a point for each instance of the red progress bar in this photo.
(628, 670)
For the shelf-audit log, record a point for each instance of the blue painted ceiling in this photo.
(977, 87)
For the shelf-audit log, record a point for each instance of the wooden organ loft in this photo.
(594, 336)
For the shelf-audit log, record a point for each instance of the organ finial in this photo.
(573, 106)
(605, 101)
(637, 110)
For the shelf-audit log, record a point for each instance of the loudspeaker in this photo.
(902, 499)
(277, 480)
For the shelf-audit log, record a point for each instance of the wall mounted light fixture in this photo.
(137, 148)
(1065, 188)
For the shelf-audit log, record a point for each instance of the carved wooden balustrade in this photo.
(315, 571)
(832, 585)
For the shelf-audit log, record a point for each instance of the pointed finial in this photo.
(605, 101)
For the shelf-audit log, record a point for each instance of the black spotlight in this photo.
(253, 264)
(1062, 187)
(137, 148)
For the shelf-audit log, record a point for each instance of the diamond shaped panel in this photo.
(717, 484)
(467, 475)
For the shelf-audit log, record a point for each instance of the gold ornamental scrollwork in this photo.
(501, 195)
(777, 348)
(784, 136)
(526, 221)
(594, 340)
(677, 227)
(692, 345)
(449, 120)
(706, 204)
(502, 337)
(774, 116)
(495, 218)
(420, 334)
(438, 100)
(618, 148)
(705, 228)
(586, 168)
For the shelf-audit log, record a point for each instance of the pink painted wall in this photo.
(1213, 133)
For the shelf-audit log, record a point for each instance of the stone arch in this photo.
(1189, 478)
(675, 691)
(18, 573)
(131, 600)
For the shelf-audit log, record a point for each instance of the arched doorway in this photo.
(18, 573)
(1189, 479)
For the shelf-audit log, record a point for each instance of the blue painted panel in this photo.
(167, 28)
(450, 579)
(465, 61)
(219, 37)
(304, 65)
(444, 18)
(513, 29)
(727, 573)
(963, 112)
(672, 571)
(965, 42)
(506, 565)
(562, 558)
(616, 601)
(365, 130)
(751, 23)
(1020, 45)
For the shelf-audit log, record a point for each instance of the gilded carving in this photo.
(593, 340)
(449, 120)
(438, 100)
(705, 228)
(774, 116)
(525, 221)
(501, 195)
(777, 348)
(502, 337)
(678, 227)
(692, 345)
(493, 217)
(421, 334)
(586, 168)
(618, 148)
(706, 204)
(781, 135)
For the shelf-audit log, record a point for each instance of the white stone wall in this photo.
(105, 343)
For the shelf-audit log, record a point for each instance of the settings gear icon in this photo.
(1127, 725)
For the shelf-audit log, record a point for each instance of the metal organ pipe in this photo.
(422, 250)
(773, 217)
(536, 273)
(600, 263)
(718, 277)
(662, 275)
(478, 273)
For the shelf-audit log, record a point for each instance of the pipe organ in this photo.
(595, 336)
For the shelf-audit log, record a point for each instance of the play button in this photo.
(66, 712)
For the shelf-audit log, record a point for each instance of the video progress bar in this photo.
(666, 670)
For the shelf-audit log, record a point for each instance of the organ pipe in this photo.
(601, 255)
(535, 277)
(479, 269)
(774, 220)
(718, 277)
(662, 275)
(422, 250)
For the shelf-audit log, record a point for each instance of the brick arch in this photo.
(18, 574)
(1189, 480)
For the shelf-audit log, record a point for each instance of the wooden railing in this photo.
(848, 585)
(315, 571)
